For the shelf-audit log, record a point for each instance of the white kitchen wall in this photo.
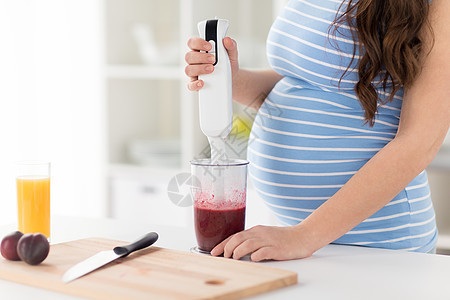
(50, 103)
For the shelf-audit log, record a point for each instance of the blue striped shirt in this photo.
(309, 136)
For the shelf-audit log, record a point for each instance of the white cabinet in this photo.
(138, 194)
(439, 179)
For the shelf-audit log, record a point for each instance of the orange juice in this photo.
(33, 203)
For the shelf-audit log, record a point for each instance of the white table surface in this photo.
(334, 272)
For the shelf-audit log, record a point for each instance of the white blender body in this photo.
(215, 98)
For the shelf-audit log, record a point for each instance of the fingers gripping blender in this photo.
(219, 204)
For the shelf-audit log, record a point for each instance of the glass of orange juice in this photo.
(33, 197)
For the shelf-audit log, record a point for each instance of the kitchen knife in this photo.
(104, 257)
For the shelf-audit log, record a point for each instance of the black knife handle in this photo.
(143, 242)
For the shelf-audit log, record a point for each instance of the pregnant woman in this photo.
(355, 107)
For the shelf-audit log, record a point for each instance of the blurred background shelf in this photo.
(444, 242)
(144, 72)
(439, 180)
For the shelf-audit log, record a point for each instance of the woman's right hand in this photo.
(202, 63)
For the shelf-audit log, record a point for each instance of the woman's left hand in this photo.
(266, 242)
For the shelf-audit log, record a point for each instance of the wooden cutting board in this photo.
(152, 273)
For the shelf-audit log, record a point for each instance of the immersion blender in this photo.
(215, 98)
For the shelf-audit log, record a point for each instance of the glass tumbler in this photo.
(219, 200)
(33, 197)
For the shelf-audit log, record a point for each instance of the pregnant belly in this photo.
(304, 147)
(306, 144)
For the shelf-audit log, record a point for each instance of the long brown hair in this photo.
(391, 45)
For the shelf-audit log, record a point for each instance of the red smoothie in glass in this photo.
(214, 222)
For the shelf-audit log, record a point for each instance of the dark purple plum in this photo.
(33, 248)
(9, 245)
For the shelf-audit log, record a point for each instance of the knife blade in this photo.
(104, 257)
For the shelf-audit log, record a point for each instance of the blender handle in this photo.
(215, 98)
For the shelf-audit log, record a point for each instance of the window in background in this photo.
(50, 100)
